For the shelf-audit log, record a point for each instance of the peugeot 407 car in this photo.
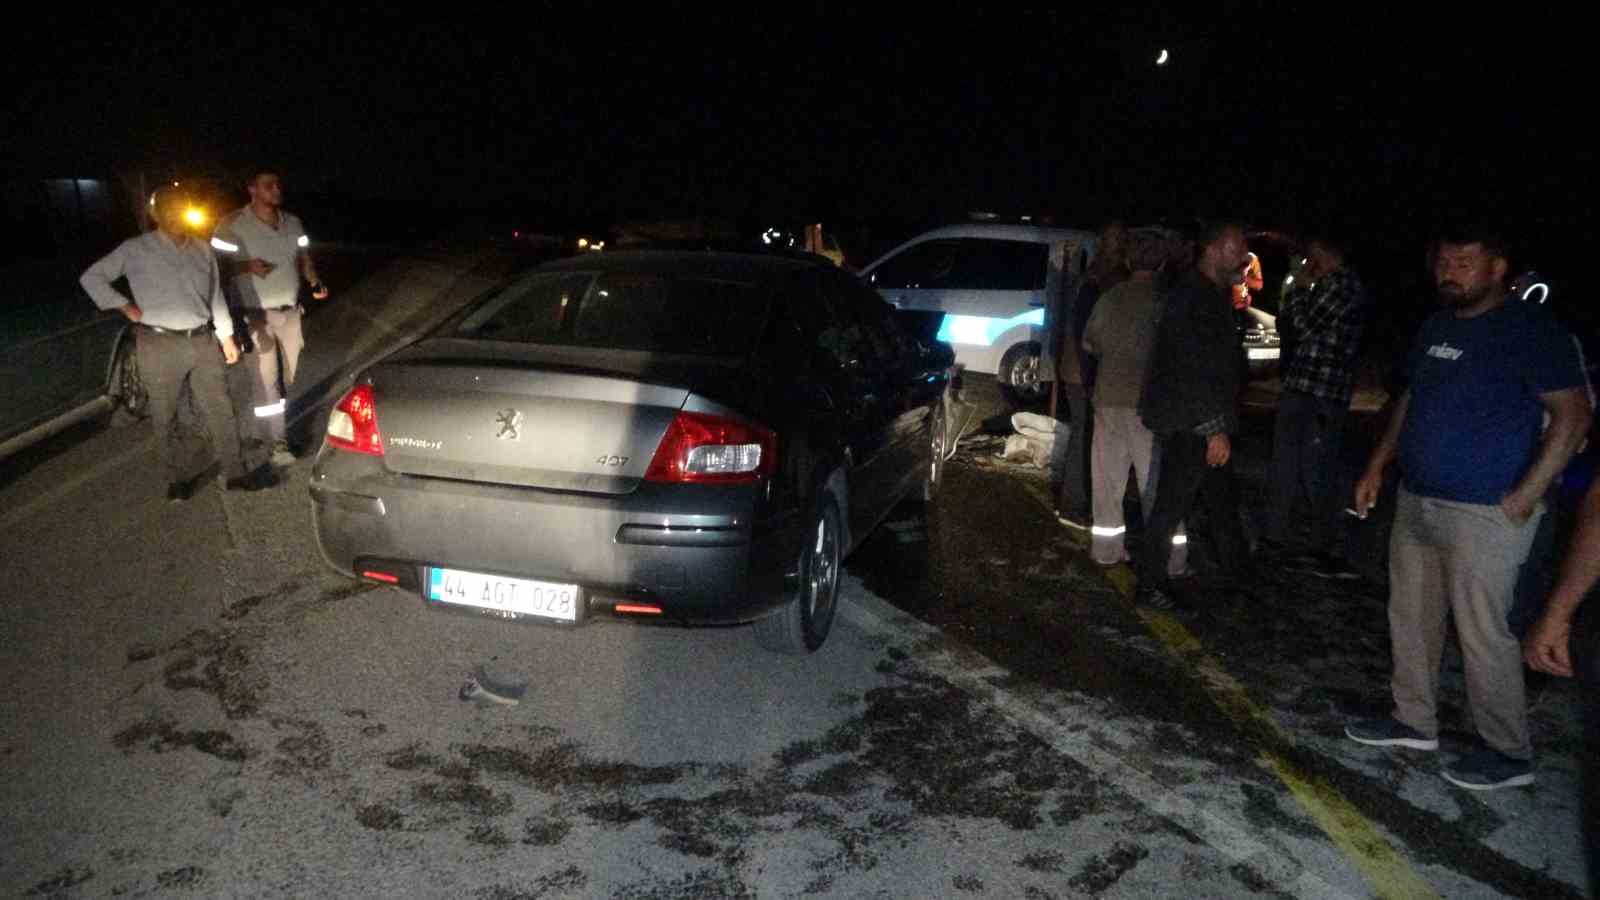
(675, 436)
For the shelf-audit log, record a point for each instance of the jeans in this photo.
(1306, 468)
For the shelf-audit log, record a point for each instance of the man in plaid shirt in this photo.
(1323, 314)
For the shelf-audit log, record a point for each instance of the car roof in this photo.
(733, 265)
(1041, 234)
(994, 231)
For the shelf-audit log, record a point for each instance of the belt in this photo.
(182, 332)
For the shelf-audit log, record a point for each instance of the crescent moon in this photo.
(1162, 59)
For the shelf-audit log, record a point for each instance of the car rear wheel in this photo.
(1018, 375)
(803, 623)
(127, 386)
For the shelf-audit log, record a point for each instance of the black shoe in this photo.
(1488, 770)
(179, 491)
(1155, 598)
(1335, 569)
(259, 480)
(1387, 732)
(1270, 551)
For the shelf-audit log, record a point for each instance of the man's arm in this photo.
(1547, 644)
(308, 266)
(1334, 299)
(1570, 416)
(1294, 299)
(1091, 330)
(96, 281)
(1371, 482)
(240, 266)
(237, 261)
(221, 318)
(308, 269)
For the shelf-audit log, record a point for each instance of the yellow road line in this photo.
(1384, 869)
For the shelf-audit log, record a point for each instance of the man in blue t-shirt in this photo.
(1496, 406)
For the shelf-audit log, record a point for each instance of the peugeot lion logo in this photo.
(510, 422)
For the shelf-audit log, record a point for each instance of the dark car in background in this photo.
(61, 360)
(697, 437)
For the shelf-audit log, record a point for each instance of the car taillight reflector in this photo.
(706, 449)
(353, 423)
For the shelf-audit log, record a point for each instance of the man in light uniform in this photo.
(183, 335)
(268, 252)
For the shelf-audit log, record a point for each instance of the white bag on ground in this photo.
(1044, 438)
(1019, 448)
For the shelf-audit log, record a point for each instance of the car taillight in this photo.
(705, 449)
(353, 423)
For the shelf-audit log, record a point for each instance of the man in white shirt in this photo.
(268, 253)
(183, 335)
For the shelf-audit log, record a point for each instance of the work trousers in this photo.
(278, 341)
(1122, 445)
(171, 361)
(1450, 558)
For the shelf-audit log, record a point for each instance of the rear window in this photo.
(692, 315)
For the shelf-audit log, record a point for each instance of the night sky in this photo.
(1289, 115)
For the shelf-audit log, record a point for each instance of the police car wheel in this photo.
(1019, 375)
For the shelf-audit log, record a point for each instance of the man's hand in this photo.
(1218, 450)
(1367, 490)
(1517, 509)
(319, 290)
(1546, 648)
(230, 350)
(133, 312)
(258, 267)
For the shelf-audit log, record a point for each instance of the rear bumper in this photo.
(695, 552)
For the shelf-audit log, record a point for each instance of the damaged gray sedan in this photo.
(690, 437)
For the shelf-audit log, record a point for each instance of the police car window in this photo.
(1002, 266)
(967, 264)
(927, 265)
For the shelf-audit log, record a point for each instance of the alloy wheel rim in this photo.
(820, 586)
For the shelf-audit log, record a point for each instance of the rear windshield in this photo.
(690, 315)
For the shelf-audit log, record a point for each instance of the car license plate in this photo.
(509, 595)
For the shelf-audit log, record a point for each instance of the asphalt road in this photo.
(197, 706)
